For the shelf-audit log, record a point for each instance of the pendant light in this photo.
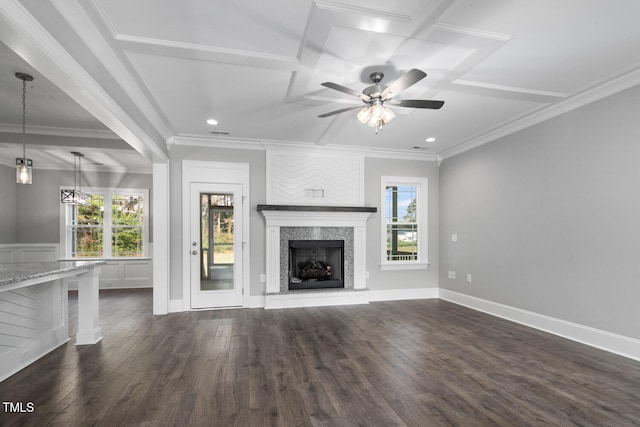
(23, 164)
(76, 196)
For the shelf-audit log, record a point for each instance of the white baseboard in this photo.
(618, 344)
(402, 294)
(313, 300)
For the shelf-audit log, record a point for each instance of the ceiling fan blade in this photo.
(410, 78)
(417, 103)
(336, 86)
(342, 110)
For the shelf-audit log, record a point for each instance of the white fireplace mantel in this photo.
(278, 216)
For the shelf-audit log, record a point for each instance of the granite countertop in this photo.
(20, 271)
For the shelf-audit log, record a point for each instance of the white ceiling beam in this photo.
(22, 33)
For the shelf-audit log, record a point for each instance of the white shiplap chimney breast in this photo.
(308, 177)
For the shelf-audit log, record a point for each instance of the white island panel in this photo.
(34, 310)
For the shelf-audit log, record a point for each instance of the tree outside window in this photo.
(113, 216)
(402, 227)
(127, 226)
(404, 201)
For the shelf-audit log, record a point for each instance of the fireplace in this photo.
(316, 264)
(311, 224)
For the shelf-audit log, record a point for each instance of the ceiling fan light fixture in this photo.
(364, 115)
(374, 113)
(377, 115)
(377, 111)
(387, 116)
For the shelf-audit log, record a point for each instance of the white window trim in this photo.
(65, 213)
(422, 205)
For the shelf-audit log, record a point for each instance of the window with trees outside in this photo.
(113, 225)
(404, 219)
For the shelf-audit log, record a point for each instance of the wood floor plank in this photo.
(413, 363)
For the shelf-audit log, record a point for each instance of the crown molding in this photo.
(85, 168)
(264, 145)
(588, 96)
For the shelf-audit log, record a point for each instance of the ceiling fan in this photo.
(376, 98)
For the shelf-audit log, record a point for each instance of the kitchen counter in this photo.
(34, 303)
(21, 274)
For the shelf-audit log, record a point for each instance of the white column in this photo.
(161, 238)
(89, 331)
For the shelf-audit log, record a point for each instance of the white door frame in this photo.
(213, 173)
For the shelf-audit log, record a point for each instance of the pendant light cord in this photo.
(24, 119)
(75, 172)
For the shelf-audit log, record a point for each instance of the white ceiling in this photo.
(154, 71)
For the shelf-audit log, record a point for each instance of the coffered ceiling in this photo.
(152, 72)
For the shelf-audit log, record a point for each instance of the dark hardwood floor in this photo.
(417, 363)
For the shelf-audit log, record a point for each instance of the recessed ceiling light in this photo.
(212, 122)
(430, 139)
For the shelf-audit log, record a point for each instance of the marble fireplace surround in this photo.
(293, 221)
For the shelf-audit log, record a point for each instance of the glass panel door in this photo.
(216, 245)
(217, 239)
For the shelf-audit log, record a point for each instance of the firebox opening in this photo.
(316, 264)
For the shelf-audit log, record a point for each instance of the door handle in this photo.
(194, 252)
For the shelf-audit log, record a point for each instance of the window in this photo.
(117, 216)
(403, 220)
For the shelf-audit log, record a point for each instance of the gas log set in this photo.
(314, 270)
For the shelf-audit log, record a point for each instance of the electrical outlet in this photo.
(454, 237)
(468, 277)
(263, 278)
(452, 274)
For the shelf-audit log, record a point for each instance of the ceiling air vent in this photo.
(219, 132)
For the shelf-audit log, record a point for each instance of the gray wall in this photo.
(400, 279)
(8, 201)
(374, 169)
(36, 215)
(548, 218)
